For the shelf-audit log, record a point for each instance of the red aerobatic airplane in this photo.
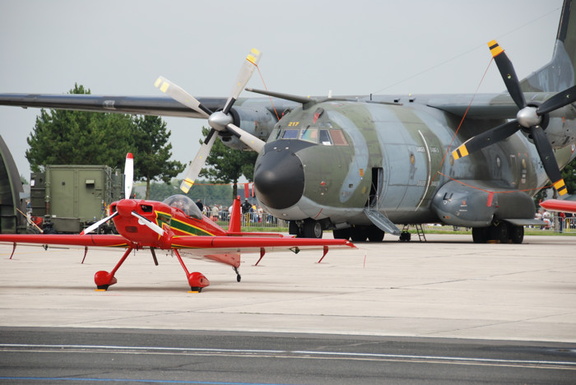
(176, 224)
(565, 206)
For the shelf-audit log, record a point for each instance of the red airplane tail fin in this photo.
(235, 217)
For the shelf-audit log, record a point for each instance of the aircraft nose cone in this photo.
(279, 177)
(125, 207)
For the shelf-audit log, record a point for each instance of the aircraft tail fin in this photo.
(235, 217)
(560, 73)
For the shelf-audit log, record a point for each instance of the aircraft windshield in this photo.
(326, 137)
(185, 204)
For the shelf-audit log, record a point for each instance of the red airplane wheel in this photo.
(197, 281)
(104, 280)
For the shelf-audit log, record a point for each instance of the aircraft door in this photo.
(375, 187)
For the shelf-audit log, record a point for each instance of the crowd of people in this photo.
(559, 221)
(251, 213)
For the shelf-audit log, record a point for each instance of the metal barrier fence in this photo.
(252, 220)
(564, 225)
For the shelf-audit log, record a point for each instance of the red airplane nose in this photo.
(126, 206)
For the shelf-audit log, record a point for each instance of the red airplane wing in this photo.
(254, 244)
(66, 239)
(227, 249)
(559, 205)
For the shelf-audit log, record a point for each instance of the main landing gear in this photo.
(196, 280)
(369, 233)
(498, 232)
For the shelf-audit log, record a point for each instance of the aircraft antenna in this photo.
(266, 88)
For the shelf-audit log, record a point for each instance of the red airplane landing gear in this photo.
(197, 281)
(104, 279)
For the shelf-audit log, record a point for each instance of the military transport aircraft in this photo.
(176, 225)
(359, 165)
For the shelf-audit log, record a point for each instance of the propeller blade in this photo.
(94, 226)
(557, 101)
(508, 73)
(247, 138)
(144, 221)
(548, 159)
(128, 175)
(179, 94)
(244, 76)
(486, 138)
(198, 162)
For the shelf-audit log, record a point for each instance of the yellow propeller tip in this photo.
(495, 48)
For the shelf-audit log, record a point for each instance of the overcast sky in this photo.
(309, 48)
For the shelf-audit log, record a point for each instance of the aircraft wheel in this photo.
(342, 233)
(197, 282)
(405, 236)
(480, 234)
(294, 229)
(312, 229)
(358, 234)
(375, 234)
(516, 234)
(104, 280)
(499, 232)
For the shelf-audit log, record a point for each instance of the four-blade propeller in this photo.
(530, 117)
(219, 121)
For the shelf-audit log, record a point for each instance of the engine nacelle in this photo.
(476, 204)
(258, 121)
(562, 131)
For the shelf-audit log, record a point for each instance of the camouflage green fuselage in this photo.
(395, 157)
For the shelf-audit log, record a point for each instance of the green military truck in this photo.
(71, 197)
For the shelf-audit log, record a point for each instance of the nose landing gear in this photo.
(308, 228)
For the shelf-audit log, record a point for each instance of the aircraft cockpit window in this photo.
(309, 134)
(338, 138)
(185, 204)
(325, 138)
(290, 134)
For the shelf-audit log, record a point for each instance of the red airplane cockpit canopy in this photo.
(185, 204)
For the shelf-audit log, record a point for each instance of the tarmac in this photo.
(447, 287)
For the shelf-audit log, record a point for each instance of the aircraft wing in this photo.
(141, 105)
(89, 240)
(487, 106)
(482, 106)
(201, 245)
